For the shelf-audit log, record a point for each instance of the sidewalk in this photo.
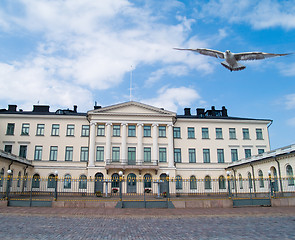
(148, 213)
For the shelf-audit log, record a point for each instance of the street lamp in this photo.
(9, 177)
(168, 190)
(55, 190)
(120, 185)
(228, 184)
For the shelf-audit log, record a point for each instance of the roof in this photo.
(15, 158)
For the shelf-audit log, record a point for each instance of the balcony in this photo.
(132, 164)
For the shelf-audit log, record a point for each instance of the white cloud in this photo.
(290, 101)
(287, 69)
(174, 98)
(291, 122)
(260, 14)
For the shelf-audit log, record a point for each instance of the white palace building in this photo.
(137, 139)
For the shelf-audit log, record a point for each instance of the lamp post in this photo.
(270, 184)
(120, 185)
(228, 183)
(168, 190)
(9, 176)
(55, 190)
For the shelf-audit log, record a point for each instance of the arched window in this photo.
(67, 181)
(147, 181)
(1, 177)
(261, 180)
(241, 181)
(82, 182)
(221, 181)
(193, 182)
(250, 180)
(51, 181)
(19, 178)
(36, 181)
(115, 180)
(178, 181)
(290, 177)
(207, 182)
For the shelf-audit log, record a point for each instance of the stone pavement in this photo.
(90, 223)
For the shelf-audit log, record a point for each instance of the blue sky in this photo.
(65, 53)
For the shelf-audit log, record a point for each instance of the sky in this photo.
(63, 53)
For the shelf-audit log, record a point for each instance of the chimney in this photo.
(187, 111)
(97, 107)
(41, 108)
(75, 108)
(200, 112)
(12, 108)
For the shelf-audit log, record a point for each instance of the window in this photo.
(115, 180)
(221, 182)
(261, 180)
(18, 179)
(206, 155)
(51, 181)
(131, 131)
(247, 153)
(1, 177)
(250, 180)
(147, 131)
(147, 154)
(99, 154)
(234, 155)
(116, 154)
(70, 129)
(67, 181)
(220, 155)
(205, 133)
(25, 129)
(241, 181)
(85, 131)
(260, 151)
(40, 129)
(190, 132)
(8, 148)
(36, 181)
(100, 130)
(207, 182)
(232, 133)
(193, 183)
(162, 155)
(192, 155)
(10, 129)
(178, 182)
(116, 130)
(147, 181)
(23, 151)
(218, 133)
(177, 155)
(176, 132)
(290, 177)
(82, 182)
(132, 155)
(53, 153)
(84, 154)
(69, 154)
(259, 134)
(162, 131)
(246, 133)
(55, 130)
(38, 153)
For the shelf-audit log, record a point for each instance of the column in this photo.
(139, 142)
(155, 142)
(124, 142)
(91, 149)
(108, 141)
(170, 146)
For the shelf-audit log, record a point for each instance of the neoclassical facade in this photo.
(132, 137)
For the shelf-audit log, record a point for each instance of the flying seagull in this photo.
(231, 59)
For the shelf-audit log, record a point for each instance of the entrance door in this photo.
(163, 183)
(98, 182)
(131, 183)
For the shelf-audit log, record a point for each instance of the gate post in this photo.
(120, 185)
(56, 180)
(228, 184)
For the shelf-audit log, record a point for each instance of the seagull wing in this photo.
(204, 51)
(256, 55)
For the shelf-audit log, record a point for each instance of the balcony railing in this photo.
(125, 163)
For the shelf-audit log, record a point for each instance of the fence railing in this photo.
(130, 187)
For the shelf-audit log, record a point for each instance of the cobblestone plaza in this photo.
(241, 223)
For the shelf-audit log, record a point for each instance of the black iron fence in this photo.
(134, 188)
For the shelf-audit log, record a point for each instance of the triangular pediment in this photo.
(132, 108)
